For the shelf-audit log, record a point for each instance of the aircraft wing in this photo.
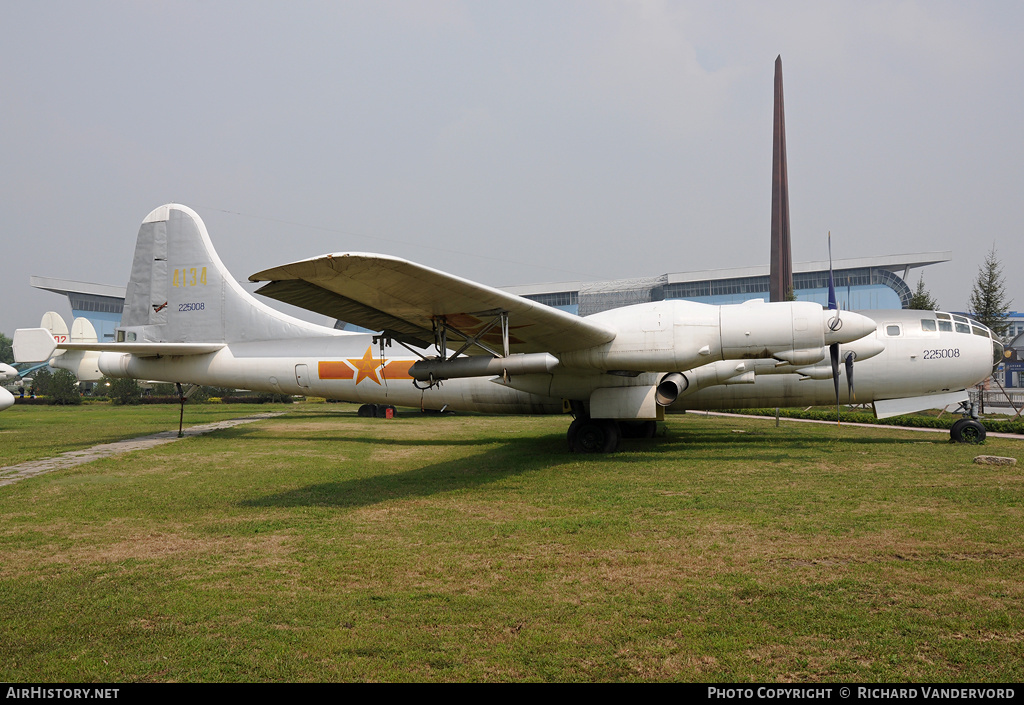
(390, 294)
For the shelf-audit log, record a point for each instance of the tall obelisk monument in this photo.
(780, 286)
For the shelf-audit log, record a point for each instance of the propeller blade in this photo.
(834, 324)
(850, 357)
(833, 352)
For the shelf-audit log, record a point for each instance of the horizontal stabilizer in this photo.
(385, 293)
(147, 349)
(33, 345)
(38, 344)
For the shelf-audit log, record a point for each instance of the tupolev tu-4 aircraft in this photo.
(447, 342)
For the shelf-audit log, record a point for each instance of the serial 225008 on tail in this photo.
(447, 342)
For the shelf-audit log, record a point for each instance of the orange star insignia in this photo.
(366, 368)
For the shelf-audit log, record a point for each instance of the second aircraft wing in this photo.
(405, 299)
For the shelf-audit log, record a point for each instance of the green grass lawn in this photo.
(320, 546)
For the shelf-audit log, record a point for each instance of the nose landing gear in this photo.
(968, 429)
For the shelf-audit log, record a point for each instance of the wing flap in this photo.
(312, 297)
(388, 293)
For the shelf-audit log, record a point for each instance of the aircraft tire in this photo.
(967, 431)
(954, 430)
(588, 435)
(367, 411)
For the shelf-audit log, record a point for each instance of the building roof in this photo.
(68, 286)
(901, 264)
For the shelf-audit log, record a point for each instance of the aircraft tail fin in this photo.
(84, 363)
(82, 331)
(53, 322)
(181, 292)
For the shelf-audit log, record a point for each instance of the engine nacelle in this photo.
(114, 364)
(84, 364)
(667, 336)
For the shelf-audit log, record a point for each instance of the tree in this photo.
(922, 300)
(41, 379)
(63, 388)
(988, 303)
(163, 389)
(123, 390)
(6, 349)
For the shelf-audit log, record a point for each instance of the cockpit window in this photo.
(892, 330)
(979, 331)
(946, 326)
(962, 328)
(927, 324)
(944, 316)
(961, 319)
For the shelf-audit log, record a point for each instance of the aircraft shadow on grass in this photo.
(480, 469)
(501, 458)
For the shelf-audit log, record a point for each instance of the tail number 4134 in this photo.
(192, 276)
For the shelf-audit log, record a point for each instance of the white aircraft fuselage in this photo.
(348, 366)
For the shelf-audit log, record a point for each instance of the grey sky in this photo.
(509, 142)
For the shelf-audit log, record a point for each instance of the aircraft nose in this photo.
(848, 327)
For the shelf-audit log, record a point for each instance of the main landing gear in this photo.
(587, 435)
(968, 429)
(379, 411)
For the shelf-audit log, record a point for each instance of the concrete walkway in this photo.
(12, 473)
(1014, 436)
